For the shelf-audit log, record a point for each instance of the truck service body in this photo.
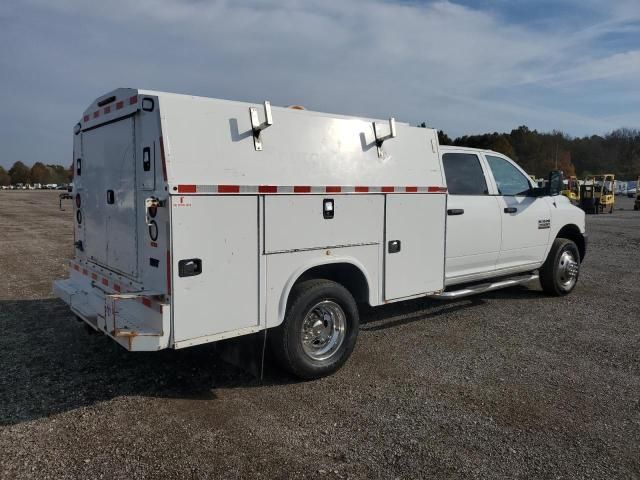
(199, 219)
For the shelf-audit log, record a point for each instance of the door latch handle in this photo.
(455, 211)
(510, 210)
(111, 198)
(394, 246)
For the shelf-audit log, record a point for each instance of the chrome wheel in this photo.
(568, 268)
(323, 330)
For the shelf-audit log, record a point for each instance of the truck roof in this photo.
(445, 148)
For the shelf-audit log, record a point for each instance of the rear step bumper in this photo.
(486, 287)
(136, 321)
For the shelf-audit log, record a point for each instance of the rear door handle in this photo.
(455, 211)
(510, 210)
(111, 198)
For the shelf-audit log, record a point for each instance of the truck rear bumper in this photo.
(135, 320)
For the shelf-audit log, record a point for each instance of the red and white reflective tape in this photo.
(119, 105)
(116, 287)
(302, 189)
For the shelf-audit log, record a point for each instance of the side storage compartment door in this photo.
(215, 268)
(414, 244)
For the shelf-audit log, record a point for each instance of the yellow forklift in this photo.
(572, 192)
(597, 193)
(636, 204)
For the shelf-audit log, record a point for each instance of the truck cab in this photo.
(498, 222)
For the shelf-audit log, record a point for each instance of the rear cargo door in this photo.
(110, 196)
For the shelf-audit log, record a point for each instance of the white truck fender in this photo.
(282, 304)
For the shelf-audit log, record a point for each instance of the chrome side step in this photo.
(485, 287)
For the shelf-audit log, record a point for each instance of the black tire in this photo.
(558, 276)
(286, 340)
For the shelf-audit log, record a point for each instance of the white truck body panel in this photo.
(359, 220)
(215, 147)
(195, 217)
(225, 296)
(417, 221)
(189, 183)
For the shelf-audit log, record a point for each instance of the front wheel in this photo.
(319, 331)
(559, 273)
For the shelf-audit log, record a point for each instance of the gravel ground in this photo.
(511, 384)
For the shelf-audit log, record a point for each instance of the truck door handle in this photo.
(510, 210)
(110, 197)
(394, 246)
(455, 211)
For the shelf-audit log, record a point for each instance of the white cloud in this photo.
(460, 69)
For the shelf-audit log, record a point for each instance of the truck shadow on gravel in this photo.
(50, 364)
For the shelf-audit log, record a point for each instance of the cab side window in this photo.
(509, 179)
(464, 174)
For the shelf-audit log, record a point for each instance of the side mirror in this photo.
(554, 187)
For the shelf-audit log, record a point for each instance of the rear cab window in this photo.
(509, 180)
(464, 174)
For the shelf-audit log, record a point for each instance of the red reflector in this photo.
(86, 118)
(96, 114)
(301, 189)
(133, 100)
(187, 189)
(94, 276)
(387, 189)
(146, 302)
(362, 189)
(119, 105)
(117, 287)
(437, 189)
(267, 189)
(107, 109)
(105, 282)
(84, 271)
(76, 267)
(411, 189)
(333, 189)
(228, 188)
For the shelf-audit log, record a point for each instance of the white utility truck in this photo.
(198, 219)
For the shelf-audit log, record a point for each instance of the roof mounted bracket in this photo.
(257, 127)
(380, 139)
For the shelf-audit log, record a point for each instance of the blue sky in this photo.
(463, 67)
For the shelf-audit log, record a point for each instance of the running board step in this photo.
(485, 287)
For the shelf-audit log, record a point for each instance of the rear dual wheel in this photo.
(319, 331)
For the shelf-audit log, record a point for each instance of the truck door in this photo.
(473, 220)
(526, 220)
(414, 244)
(109, 184)
(215, 269)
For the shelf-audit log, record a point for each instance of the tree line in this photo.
(617, 152)
(38, 173)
